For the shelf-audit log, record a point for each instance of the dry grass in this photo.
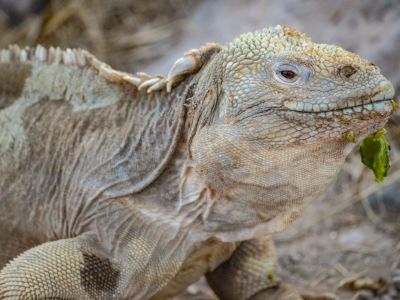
(123, 33)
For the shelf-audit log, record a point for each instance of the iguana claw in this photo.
(161, 84)
(188, 64)
(148, 83)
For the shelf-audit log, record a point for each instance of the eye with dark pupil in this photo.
(288, 74)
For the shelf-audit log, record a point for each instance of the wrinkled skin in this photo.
(130, 195)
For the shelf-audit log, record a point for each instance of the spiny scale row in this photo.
(14, 54)
(188, 64)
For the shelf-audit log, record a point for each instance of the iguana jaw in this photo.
(357, 117)
(380, 102)
(361, 105)
(376, 110)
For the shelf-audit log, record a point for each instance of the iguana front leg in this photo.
(64, 269)
(79, 268)
(250, 274)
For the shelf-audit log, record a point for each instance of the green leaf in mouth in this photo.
(374, 150)
(395, 106)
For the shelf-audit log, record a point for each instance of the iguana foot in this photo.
(288, 292)
(189, 63)
(281, 292)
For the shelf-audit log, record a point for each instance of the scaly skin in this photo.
(121, 186)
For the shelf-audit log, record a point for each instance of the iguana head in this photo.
(276, 135)
(320, 87)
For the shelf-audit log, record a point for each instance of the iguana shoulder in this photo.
(73, 131)
(73, 94)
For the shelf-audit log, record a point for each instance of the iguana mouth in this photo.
(379, 101)
(381, 105)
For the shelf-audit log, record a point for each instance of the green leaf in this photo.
(395, 106)
(374, 150)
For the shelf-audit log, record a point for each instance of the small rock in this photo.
(295, 258)
(290, 260)
(17, 11)
(393, 292)
(396, 282)
(352, 237)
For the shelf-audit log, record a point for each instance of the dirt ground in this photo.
(352, 232)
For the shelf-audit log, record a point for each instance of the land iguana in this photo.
(130, 186)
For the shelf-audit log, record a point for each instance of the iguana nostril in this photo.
(347, 71)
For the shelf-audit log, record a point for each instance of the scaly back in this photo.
(70, 124)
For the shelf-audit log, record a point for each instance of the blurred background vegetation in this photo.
(353, 231)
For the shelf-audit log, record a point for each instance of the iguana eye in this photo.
(291, 73)
(288, 74)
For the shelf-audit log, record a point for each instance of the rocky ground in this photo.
(347, 242)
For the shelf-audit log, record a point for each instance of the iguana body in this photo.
(112, 192)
